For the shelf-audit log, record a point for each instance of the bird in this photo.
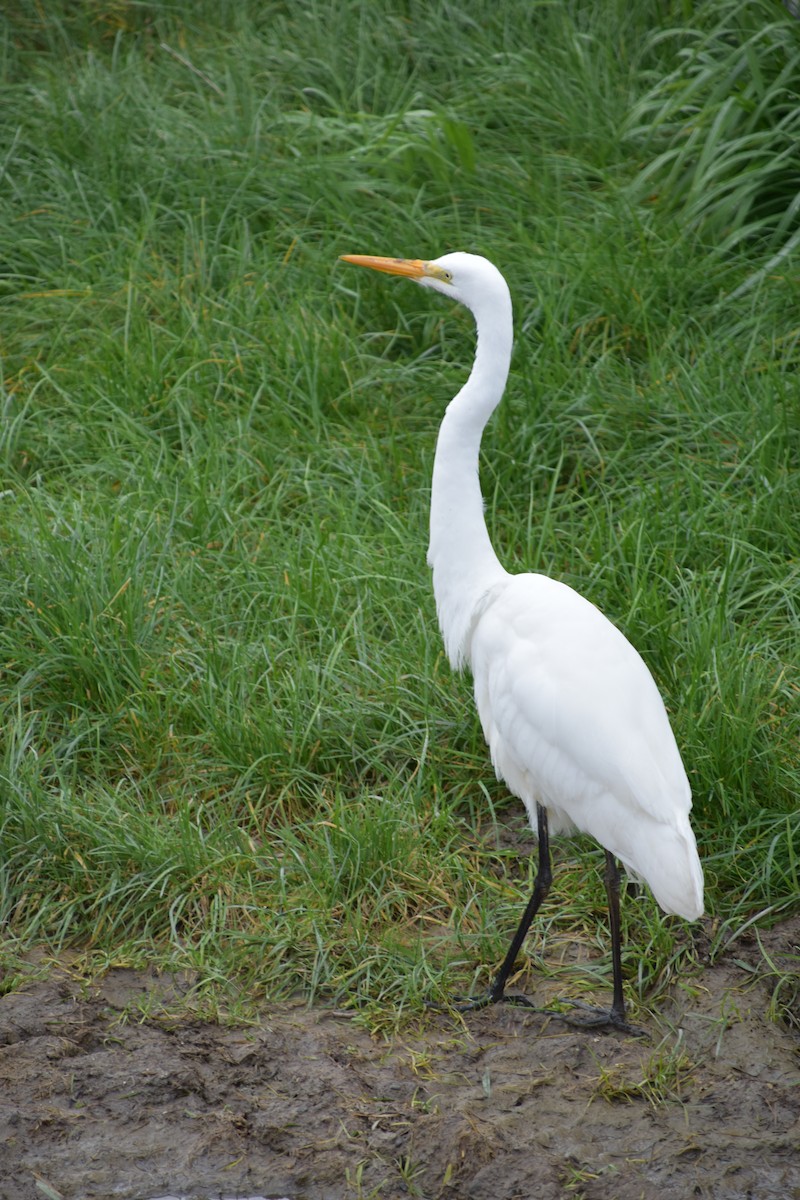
(574, 721)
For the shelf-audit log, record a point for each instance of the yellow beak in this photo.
(412, 268)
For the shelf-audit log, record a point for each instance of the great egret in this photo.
(575, 724)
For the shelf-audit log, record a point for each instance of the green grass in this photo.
(231, 742)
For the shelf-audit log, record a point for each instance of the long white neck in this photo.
(464, 563)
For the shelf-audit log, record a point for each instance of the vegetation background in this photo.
(231, 743)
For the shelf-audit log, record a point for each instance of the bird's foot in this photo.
(588, 1017)
(591, 1017)
(476, 1003)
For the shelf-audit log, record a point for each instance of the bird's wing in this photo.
(566, 700)
(575, 722)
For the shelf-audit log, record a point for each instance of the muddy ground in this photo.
(96, 1103)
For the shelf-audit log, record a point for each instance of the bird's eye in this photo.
(439, 273)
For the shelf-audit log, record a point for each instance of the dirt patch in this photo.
(306, 1105)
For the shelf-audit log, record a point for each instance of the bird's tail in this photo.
(668, 862)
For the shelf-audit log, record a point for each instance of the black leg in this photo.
(591, 1017)
(612, 891)
(594, 1018)
(541, 887)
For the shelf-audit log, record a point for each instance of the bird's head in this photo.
(467, 278)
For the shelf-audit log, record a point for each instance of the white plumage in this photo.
(574, 721)
(575, 724)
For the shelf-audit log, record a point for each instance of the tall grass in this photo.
(720, 128)
(231, 741)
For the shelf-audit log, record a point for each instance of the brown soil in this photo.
(95, 1103)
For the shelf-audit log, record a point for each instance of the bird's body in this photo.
(575, 724)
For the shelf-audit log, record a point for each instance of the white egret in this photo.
(575, 724)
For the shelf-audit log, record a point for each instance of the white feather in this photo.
(574, 721)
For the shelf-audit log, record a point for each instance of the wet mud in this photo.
(98, 1101)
